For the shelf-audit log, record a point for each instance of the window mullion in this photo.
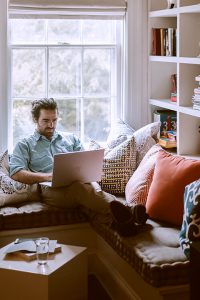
(47, 72)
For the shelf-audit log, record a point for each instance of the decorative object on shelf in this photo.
(173, 87)
(171, 4)
(196, 95)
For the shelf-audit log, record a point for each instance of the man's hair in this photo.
(45, 103)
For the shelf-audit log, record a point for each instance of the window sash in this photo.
(116, 100)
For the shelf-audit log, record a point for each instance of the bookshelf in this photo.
(185, 18)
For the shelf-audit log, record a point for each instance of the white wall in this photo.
(3, 75)
(136, 111)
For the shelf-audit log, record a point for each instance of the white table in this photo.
(64, 277)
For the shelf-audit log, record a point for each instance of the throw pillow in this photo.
(11, 191)
(171, 175)
(190, 229)
(119, 128)
(118, 166)
(114, 143)
(137, 188)
(145, 138)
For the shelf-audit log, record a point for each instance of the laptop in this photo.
(85, 166)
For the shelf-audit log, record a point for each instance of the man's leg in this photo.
(100, 205)
(89, 196)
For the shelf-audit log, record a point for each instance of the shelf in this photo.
(190, 60)
(174, 12)
(164, 103)
(190, 9)
(172, 59)
(185, 64)
(163, 13)
(189, 111)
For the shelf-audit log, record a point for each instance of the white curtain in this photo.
(3, 76)
(136, 109)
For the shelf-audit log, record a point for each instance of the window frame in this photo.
(116, 105)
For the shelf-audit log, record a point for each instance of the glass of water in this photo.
(42, 250)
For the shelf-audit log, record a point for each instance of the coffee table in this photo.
(63, 277)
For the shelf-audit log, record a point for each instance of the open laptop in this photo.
(85, 166)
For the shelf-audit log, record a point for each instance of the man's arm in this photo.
(29, 177)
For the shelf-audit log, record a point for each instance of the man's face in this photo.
(46, 123)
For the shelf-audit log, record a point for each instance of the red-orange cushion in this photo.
(171, 175)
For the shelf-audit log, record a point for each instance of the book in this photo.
(26, 249)
(156, 41)
(168, 120)
(166, 143)
(164, 41)
(168, 139)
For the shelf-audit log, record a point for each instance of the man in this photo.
(32, 162)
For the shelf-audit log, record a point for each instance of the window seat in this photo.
(153, 253)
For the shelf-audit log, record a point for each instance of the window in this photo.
(76, 61)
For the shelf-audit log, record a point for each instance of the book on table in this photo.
(26, 249)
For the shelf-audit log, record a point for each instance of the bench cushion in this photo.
(37, 214)
(154, 252)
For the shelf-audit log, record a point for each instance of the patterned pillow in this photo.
(11, 191)
(114, 143)
(118, 166)
(119, 128)
(137, 188)
(145, 138)
(190, 230)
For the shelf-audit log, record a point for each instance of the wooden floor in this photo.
(95, 290)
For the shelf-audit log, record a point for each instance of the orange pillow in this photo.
(171, 175)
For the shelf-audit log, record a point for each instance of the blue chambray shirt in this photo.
(36, 152)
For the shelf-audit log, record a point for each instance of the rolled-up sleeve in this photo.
(20, 158)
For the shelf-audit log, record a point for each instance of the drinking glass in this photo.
(42, 250)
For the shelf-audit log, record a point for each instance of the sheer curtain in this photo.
(136, 108)
(3, 76)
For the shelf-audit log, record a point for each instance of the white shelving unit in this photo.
(186, 64)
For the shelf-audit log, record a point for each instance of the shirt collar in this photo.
(38, 136)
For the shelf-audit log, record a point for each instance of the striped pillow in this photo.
(137, 188)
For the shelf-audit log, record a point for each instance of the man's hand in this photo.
(29, 177)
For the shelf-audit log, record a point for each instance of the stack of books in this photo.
(168, 140)
(164, 41)
(196, 96)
